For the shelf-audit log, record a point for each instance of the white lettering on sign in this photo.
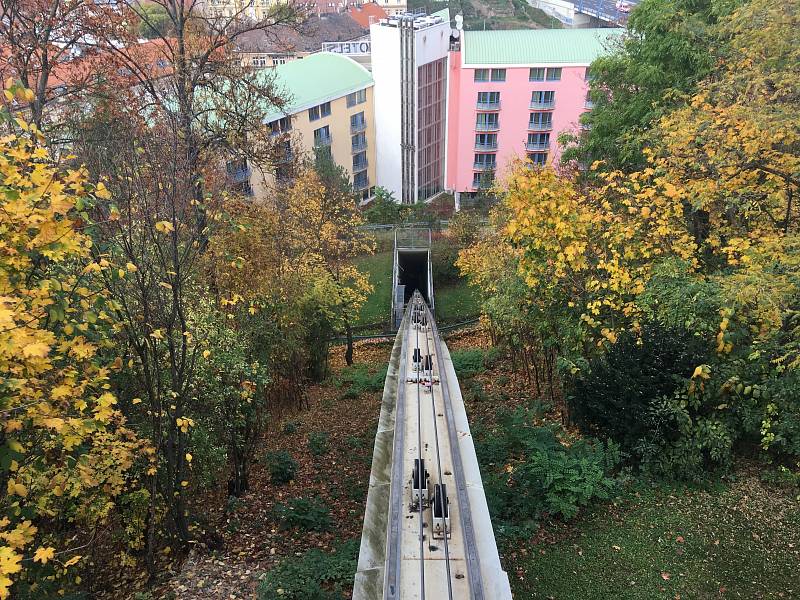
(357, 48)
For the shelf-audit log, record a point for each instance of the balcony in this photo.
(487, 126)
(543, 105)
(360, 185)
(491, 146)
(488, 106)
(359, 147)
(482, 185)
(321, 141)
(358, 127)
(547, 126)
(539, 147)
(479, 166)
(360, 165)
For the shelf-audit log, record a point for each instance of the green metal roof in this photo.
(318, 78)
(537, 46)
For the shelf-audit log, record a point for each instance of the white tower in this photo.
(409, 65)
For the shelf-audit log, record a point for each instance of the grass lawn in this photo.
(454, 302)
(736, 541)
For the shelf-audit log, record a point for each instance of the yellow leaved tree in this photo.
(64, 447)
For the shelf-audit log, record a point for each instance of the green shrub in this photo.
(309, 514)
(282, 467)
(318, 443)
(469, 362)
(477, 392)
(359, 379)
(616, 395)
(315, 575)
(529, 472)
(290, 427)
(443, 263)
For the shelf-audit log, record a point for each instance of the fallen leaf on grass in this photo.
(665, 576)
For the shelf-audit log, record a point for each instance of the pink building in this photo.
(511, 93)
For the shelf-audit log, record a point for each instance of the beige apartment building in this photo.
(331, 110)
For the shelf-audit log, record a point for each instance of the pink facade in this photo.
(513, 109)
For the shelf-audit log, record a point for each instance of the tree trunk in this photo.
(348, 355)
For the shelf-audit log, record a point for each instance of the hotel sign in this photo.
(354, 48)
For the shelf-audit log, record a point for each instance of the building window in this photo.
(487, 122)
(542, 99)
(430, 118)
(482, 180)
(536, 74)
(498, 74)
(488, 99)
(358, 97)
(280, 126)
(554, 74)
(317, 112)
(481, 74)
(359, 142)
(485, 141)
(357, 122)
(538, 141)
(360, 181)
(322, 136)
(359, 162)
(541, 121)
(538, 158)
(485, 162)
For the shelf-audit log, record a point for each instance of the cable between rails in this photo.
(445, 509)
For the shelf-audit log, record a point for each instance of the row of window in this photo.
(488, 141)
(491, 121)
(355, 98)
(535, 74)
(538, 97)
(321, 110)
(544, 74)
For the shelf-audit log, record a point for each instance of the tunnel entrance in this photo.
(412, 272)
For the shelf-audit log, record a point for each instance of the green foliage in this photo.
(319, 443)
(529, 471)
(309, 514)
(443, 263)
(384, 209)
(471, 361)
(155, 21)
(290, 427)
(315, 575)
(614, 395)
(669, 48)
(282, 467)
(360, 379)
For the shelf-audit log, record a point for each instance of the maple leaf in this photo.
(43, 555)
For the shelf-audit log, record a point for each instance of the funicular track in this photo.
(421, 539)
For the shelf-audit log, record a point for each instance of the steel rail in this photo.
(421, 471)
(465, 515)
(439, 465)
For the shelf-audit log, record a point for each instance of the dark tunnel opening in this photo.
(412, 271)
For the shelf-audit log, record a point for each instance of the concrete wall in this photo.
(515, 97)
(386, 73)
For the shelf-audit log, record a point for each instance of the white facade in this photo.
(431, 43)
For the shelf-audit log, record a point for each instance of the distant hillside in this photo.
(491, 14)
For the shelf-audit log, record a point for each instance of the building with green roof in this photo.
(330, 109)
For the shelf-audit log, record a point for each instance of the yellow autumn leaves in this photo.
(52, 320)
